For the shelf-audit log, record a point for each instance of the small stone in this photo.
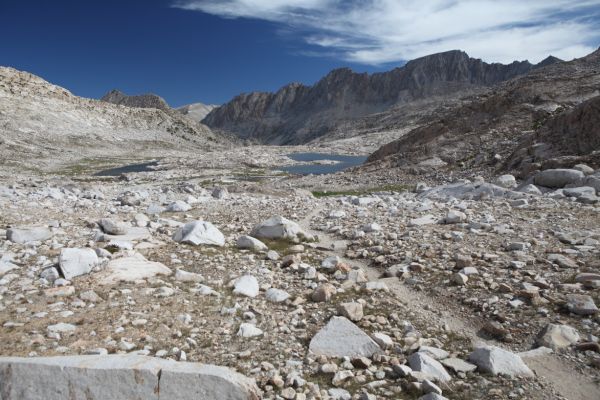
(248, 330)
(581, 304)
(383, 340)
(455, 217)
(113, 227)
(458, 365)
(179, 206)
(246, 285)
(323, 293)
(276, 295)
(184, 276)
(248, 242)
(353, 311)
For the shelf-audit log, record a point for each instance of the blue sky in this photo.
(209, 51)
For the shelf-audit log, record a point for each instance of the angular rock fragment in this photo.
(76, 262)
(497, 361)
(432, 368)
(557, 336)
(341, 338)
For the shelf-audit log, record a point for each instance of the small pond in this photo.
(144, 167)
(342, 162)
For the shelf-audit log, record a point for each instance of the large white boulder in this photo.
(131, 269)
(558, 178)
(341, 338)
(278, 227)
(123, 376)
(497, 361)
(76, 262)
(28, 234)
(199, 232)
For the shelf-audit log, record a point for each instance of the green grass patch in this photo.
(362, 192)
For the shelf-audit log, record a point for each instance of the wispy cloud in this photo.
(383, 31)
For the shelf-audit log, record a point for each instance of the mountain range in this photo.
(297, 113)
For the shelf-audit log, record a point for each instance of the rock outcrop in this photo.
(148, 100)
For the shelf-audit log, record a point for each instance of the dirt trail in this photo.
(553, 370)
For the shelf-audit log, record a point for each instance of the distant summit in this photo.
(140, 101)
(196, 111)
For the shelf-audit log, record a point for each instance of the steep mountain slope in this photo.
(44, 122)
(543, 116)
(196, 111)
(141, 101)
(298, 113)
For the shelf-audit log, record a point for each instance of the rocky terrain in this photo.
(431, 272)
(297, 113)
(525, 124)
(386, 294)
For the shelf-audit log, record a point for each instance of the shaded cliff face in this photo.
(550, 113)
(140, 101)
(297, 113)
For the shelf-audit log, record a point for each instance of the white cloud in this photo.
(381, 31)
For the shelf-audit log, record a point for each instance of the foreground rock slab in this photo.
(131, 269)
(119, 377)
(341, 338)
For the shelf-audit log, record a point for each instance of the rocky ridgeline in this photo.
(466, 290)
(298, 114)
(41, 124)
